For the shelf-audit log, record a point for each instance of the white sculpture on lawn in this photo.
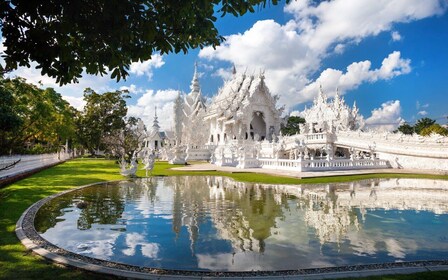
(130, 172)
(149, 161)
(178, 153)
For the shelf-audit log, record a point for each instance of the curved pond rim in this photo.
(33, 241)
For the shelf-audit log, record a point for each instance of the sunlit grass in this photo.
(18, 263)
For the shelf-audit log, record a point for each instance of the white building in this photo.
(155, 138)
(241, 127)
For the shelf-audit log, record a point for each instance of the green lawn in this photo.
(18, 263)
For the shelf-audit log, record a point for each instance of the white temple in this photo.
(240, 127)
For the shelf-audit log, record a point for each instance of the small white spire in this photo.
(195, 87)
(155, 123)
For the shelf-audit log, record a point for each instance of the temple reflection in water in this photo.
(330, 210)
(215, 223)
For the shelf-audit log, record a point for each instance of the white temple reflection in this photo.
(332, 211)
(220, 224)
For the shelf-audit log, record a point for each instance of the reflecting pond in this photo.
(215, 223)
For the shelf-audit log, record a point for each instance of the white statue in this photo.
(149, 162)
(130, 172)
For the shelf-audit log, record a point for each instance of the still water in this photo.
(214, 223)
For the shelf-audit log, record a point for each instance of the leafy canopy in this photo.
(406, 128)
(434, 129)
(293, 125)
(424, 127)
(64, 37)
(103, 115)
(32, 116)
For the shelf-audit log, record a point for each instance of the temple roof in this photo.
(236, 94)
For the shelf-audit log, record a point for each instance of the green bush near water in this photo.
(18, 263)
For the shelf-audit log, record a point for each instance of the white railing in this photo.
(225, 161)
(434, 146)
(29, 162)
(320, 137)
(322, 164)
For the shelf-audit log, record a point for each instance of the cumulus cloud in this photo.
(356, 74)
(225, 74)
(292, 53)
(388, 117)
(353, 20)
(396, 36)
(145, 107)
(141, 68)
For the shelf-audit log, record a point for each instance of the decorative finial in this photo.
(155, 124)
(195, 87)
(262, 74)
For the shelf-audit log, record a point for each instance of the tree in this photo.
(422, 124)
(293, 125)
(103, 116)
(434, 129)
(10, 121)
(406, 128)
(65, 37)
(30, 116)
(124, 142)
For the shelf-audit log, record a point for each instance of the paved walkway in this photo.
(295, 174)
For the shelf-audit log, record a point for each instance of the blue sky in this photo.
(390, 56)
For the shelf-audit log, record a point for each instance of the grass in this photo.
(18, 263)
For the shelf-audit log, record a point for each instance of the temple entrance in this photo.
(258, 126)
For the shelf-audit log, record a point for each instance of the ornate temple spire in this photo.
(337, 99)
(355, 109)
(195, 87)
(233, 70)
(155, 123)
(322, 98)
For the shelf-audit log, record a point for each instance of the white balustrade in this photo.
(318, 165)
(29, 162)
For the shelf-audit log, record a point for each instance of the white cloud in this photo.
(353, 20)
(71, 92)
(145, 107)
(396, 36)
(339, 49)
(2, 50)
(422, 113)
(292, 53)
(295, 114)
(388, 117)
(146, 67)
(206, 66)
(225, 74)
(77, 102)
(356, 74)
(132, 89)
(418, 105)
